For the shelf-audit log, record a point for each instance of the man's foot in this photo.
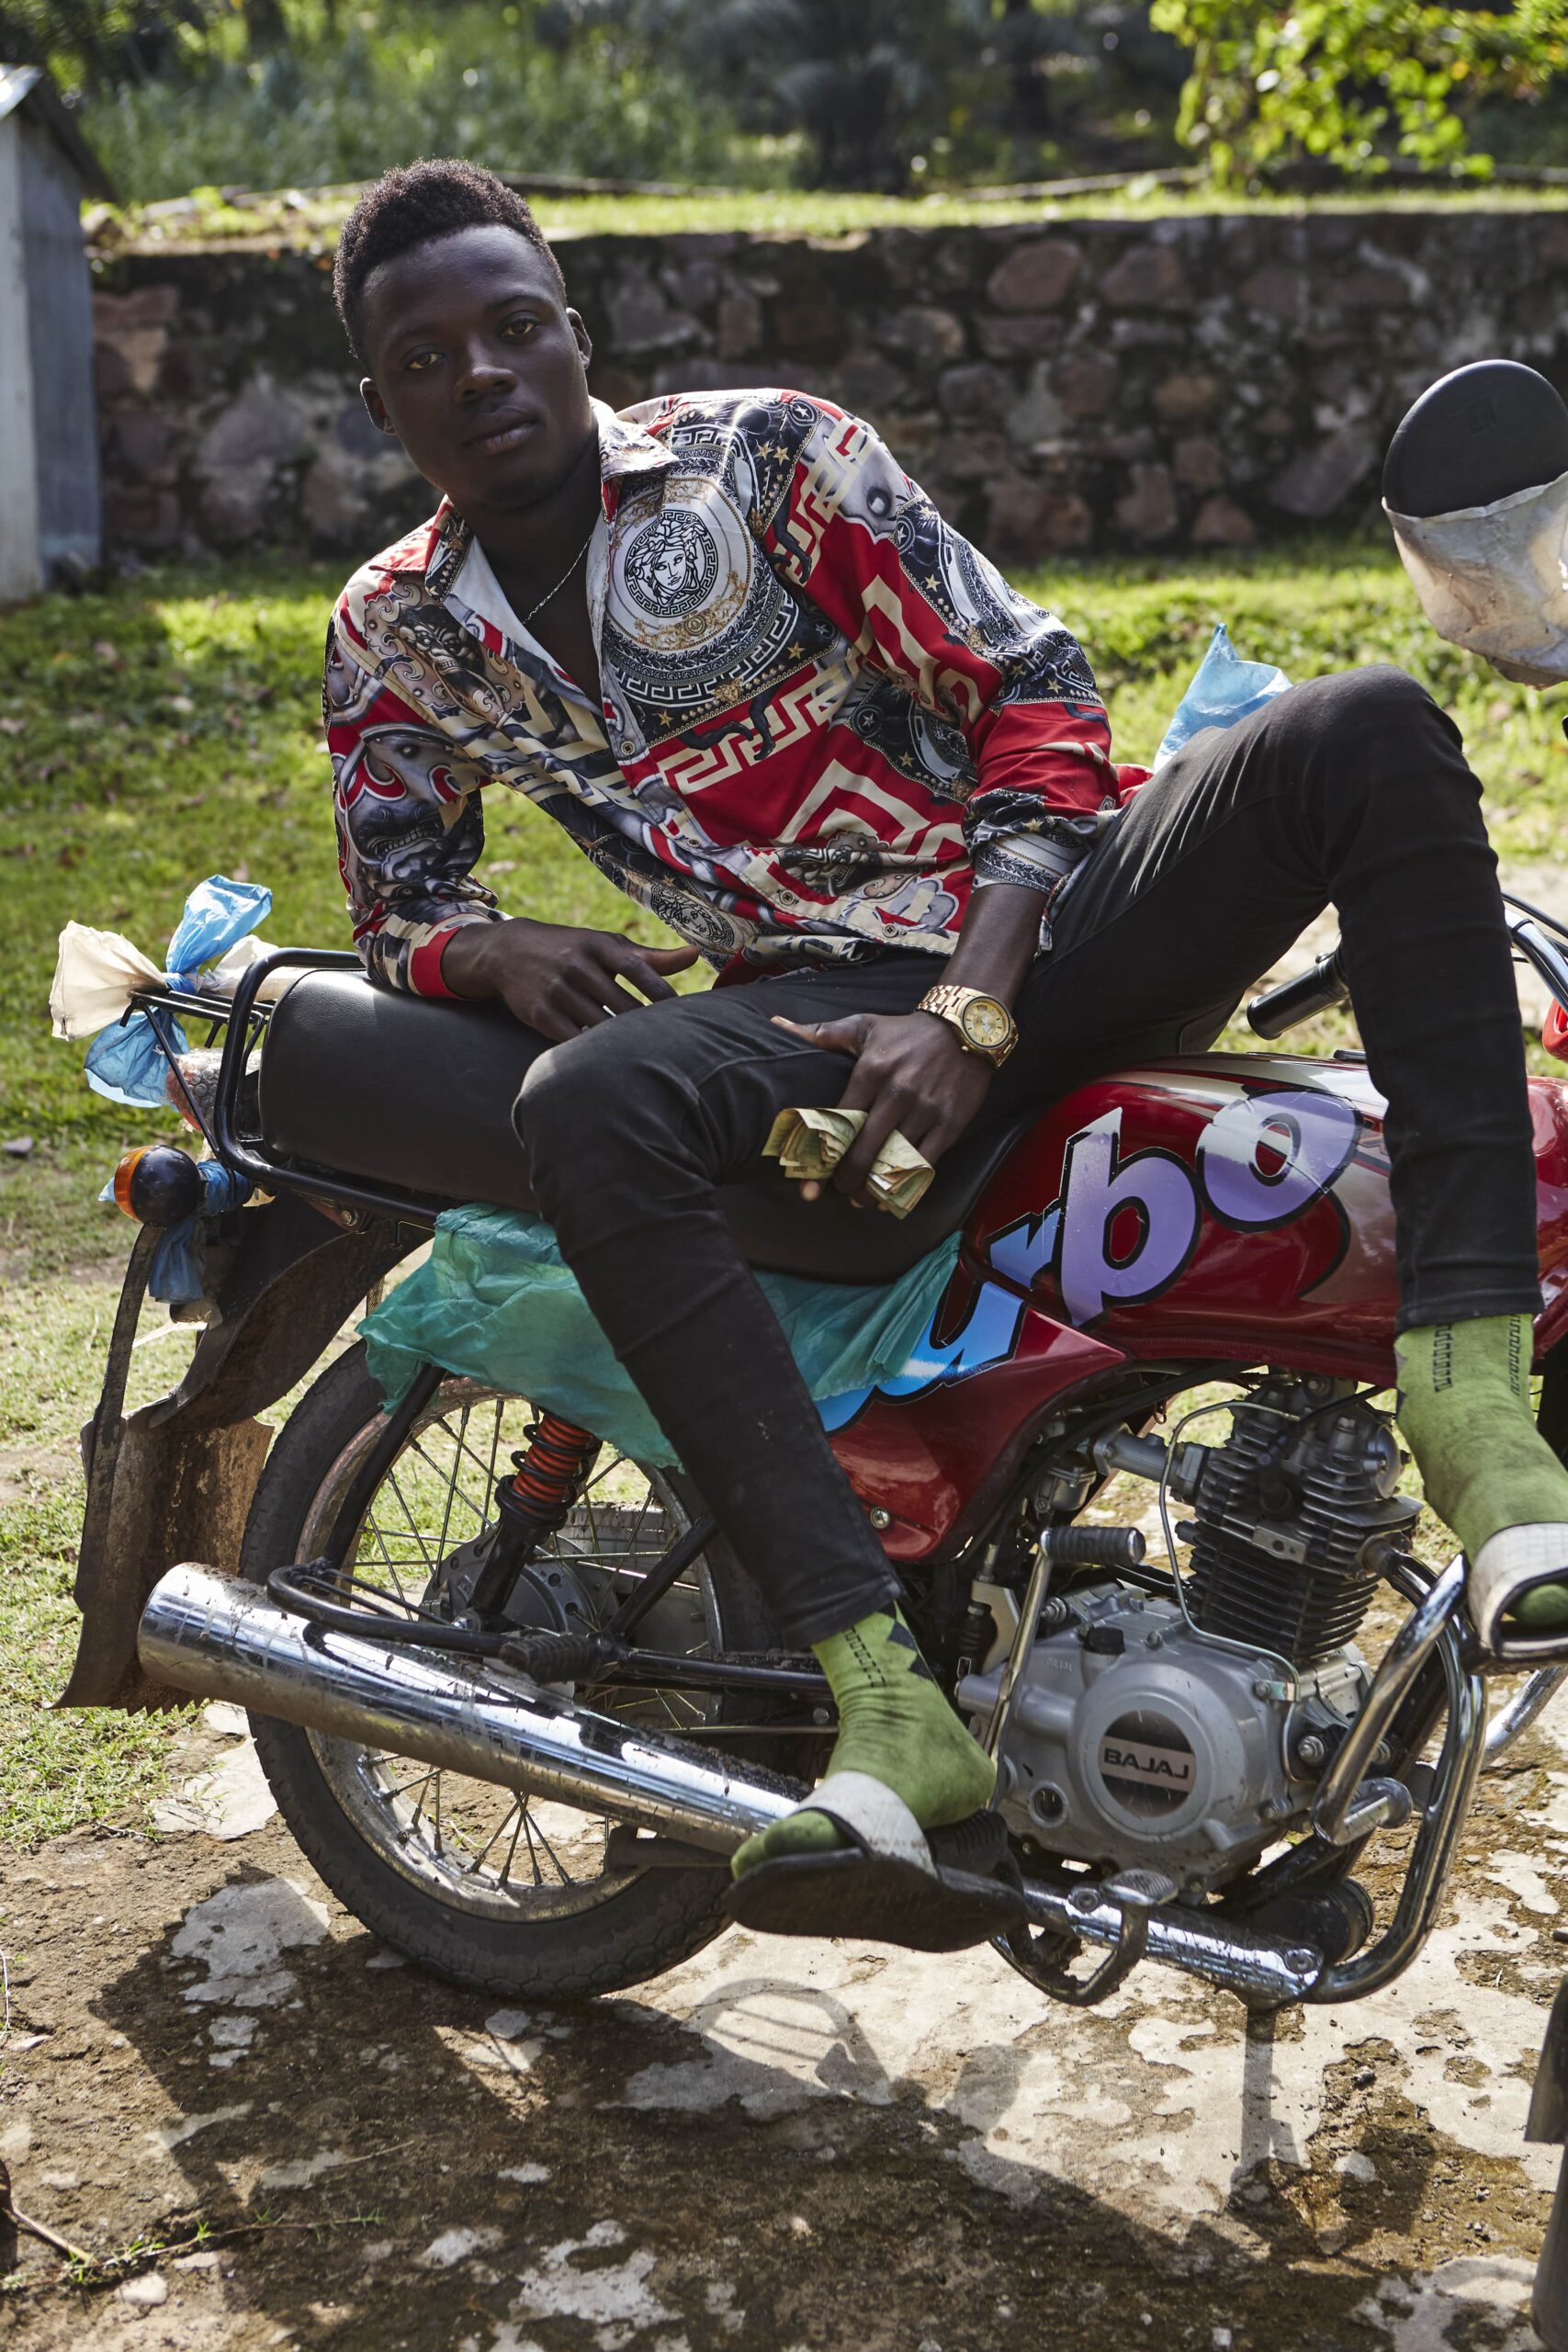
(1464, 1407)
(895, 1726)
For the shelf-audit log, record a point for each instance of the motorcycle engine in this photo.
(1136, 1738)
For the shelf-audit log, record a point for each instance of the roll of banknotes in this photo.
(808, 1145)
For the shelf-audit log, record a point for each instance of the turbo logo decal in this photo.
(1124, 1229)
(1265, 1158)
(1127, 1228)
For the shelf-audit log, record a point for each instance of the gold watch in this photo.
(984, 1024)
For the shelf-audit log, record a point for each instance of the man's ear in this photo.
(580, 336)
(375, 406)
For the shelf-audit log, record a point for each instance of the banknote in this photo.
(808, 1145)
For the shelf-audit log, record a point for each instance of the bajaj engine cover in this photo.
(1133, 1739)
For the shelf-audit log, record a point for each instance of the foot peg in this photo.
(1134, 1892)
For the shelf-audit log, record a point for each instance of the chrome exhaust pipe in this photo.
(219, 1638)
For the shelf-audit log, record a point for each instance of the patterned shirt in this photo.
(825, 719)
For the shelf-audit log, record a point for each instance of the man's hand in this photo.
(556, 979)
(910, 1073)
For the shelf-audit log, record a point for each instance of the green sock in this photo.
(1464, 1407)
(895, 1726)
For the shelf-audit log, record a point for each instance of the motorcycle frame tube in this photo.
(1395, 1676)
(1437, 1840)
(270, 1173)
(1529, 1702)
(1261, 1969)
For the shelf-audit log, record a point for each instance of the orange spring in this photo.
(550, 1470)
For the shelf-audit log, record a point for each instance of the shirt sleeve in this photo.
(410, 827)
(861, 539)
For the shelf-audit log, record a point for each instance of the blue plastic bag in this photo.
(128, 1064)
(496, 1302)
(126, 1061)
(1225, 689)
(179, 1272)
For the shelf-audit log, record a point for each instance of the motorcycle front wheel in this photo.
(477, 1883)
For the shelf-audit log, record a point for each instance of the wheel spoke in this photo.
(511, 1851)
(462, 1837)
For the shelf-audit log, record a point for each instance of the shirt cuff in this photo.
(424, 965)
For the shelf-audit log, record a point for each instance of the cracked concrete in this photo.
(790, 2147)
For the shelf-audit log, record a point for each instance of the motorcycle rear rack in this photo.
(244, 1020)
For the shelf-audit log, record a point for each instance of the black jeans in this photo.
(1352, 790)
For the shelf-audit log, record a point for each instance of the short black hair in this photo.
(409, 205)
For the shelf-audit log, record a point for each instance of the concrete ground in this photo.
(776, 2146)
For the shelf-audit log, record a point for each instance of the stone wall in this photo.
(1201, 381)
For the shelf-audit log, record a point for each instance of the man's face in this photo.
(478, 367)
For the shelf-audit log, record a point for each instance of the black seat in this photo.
(1474, 437)
(415, 1093)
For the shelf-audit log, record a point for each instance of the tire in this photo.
(332, 1796)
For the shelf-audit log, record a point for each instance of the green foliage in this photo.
(480, 83)
(846, 93)
(1353, 83)
(887, 92)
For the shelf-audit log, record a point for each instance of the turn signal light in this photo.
(158, 1185)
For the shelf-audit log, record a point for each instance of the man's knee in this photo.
(583, 1094)
(1354, 730)
(1357, 711)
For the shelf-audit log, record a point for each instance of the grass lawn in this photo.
(170, 729)
(311, 218)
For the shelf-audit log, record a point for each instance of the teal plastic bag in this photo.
(495, 1303)
(1225, 688)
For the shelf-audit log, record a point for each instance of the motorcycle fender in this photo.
(174, 1480)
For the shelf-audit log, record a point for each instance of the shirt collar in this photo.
(625, 450)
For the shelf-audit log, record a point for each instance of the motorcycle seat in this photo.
(414, 1094)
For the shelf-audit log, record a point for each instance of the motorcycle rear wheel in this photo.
(528, 1914)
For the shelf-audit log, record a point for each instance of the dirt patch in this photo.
(775, 2146)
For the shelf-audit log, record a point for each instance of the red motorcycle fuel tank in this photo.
(1233, 1209)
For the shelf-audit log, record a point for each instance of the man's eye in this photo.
(418, 362)
(519, 327)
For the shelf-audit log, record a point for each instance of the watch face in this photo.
(985, 1021)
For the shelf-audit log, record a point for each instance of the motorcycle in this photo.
(518, 1723)
(518, 1720)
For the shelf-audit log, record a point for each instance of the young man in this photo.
(730, 646)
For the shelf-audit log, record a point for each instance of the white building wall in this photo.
(20, 570)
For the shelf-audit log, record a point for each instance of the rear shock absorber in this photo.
(547, 1479)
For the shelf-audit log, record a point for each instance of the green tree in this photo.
(1353, 83)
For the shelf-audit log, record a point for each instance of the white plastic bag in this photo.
(1493, 579)
(95, 974)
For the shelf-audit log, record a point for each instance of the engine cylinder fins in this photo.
(1289, 1518)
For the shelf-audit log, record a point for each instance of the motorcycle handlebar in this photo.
(1316, 990)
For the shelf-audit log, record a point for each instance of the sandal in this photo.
(1510, 1567)
(889, 1883)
